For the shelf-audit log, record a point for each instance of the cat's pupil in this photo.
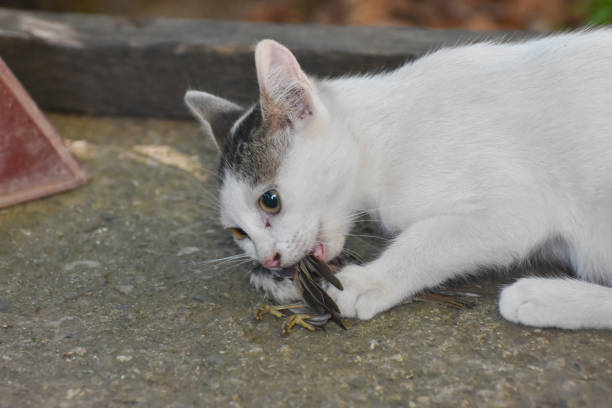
(270, 201)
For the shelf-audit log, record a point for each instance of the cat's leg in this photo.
(569, 303)
(430, 252)
(565, 303)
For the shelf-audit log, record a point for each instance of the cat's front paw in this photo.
(361, 297)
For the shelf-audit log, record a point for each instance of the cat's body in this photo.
(476, 156)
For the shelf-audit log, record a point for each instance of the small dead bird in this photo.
(318, 308)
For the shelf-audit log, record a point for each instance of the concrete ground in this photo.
(106, 300)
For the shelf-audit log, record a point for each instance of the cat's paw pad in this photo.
(528, 301)
(360, 298)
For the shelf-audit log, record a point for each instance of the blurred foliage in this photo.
(469, 14)
(601, 12)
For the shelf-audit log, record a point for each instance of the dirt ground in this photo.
(107, 300)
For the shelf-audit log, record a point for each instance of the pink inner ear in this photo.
(281, 78)
(280, 56)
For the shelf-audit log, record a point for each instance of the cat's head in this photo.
(285, 186)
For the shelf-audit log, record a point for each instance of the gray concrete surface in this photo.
(106, 300)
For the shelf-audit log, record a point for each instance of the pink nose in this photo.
(274, 262)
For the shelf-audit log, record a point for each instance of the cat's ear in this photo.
(287, 95)
(216, 114)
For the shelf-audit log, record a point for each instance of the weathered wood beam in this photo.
(141, 67)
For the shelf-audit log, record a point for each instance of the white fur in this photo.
(473, 156)
(281, 291)
(565, 303)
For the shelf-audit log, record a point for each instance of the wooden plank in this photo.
(141, 67)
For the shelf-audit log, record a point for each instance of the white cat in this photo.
(477, 156)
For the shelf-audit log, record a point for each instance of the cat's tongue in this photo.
(319, 251)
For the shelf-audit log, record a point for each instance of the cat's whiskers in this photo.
(211, 198)
(369, 211)
(369, 245)
(385, 239)
(226, 259)
(353, 254)
(211, 172)
(203, 204)
(232, 266)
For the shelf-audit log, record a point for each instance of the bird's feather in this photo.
(313, 294)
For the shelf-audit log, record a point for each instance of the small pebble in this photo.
(107, 216)
(57, 323)
(71, 295)
(74, 352)
(397, 357)
(125, 289)
(123, 358)
(5, 305)
(86, 263)
(188, 251)
(202, 297)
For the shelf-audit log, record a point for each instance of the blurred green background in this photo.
(469, 14)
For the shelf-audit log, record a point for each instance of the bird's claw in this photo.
(274, 310)
(297, 319)
(302, 316)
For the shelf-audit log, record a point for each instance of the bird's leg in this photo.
(275, 310)
(297, 319)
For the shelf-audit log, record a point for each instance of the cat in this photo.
(477, 156)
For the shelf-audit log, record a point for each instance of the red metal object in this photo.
(34, 162)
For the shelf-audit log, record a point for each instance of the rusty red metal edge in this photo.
(79, 175)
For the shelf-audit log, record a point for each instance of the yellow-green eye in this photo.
(270, 202)
(239, 233)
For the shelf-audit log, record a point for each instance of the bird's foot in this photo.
(297, 319)
(302, 315)
(276, 311)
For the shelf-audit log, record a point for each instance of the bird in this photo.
(317, 308)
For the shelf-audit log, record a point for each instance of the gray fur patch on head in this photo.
(254, 148)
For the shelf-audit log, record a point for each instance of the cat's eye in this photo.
(239, 233)
(270, 202)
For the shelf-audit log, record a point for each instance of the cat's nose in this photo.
(273, 262)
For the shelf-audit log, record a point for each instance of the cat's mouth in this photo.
(319, 251)
(288, 272)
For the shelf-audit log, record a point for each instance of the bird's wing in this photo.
(315, 296)
(312, 293)
(321, 269)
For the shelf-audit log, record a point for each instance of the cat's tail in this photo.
(559, 302)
